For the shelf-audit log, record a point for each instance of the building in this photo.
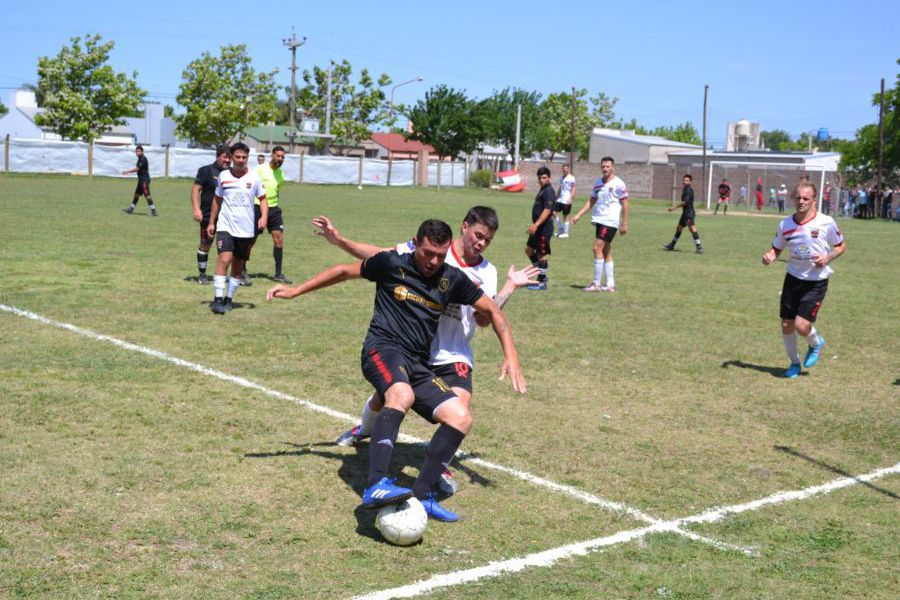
(743, 136)
(394, 146)
(627, 147)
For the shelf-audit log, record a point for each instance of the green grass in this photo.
(125, 476)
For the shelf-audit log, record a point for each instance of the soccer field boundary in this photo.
(535, 480)
(548, 558)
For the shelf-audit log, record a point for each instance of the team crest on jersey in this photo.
(814, 233)
(248, 185)
(444, 284)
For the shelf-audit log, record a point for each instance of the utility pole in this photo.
(705, 95)
(293, 43)
(572, 152)
(328, 113)
(518, 129)
(879, 200)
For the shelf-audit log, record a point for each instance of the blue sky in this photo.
(789, 65)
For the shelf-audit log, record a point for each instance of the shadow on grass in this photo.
(773, 371)
(266, 276)
(235, 305)
(838, 470)
(353, 471)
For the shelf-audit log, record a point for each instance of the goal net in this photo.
(745, 177)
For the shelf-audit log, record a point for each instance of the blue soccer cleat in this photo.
(792, 371)
(384, 493)
(351, 437)
(437, 512)
(812, 355)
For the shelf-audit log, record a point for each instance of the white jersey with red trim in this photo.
(566, 187)
(815, 236)
(608, 206)
(237, 214)
(452, 343)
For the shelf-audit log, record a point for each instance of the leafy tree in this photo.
(3, 109)
(685, 132)
(168, 110)
(84, 96)
(499, 117)
(224, 95)
(590, 112)
(777, 140)
(355, 107)
(445, 119)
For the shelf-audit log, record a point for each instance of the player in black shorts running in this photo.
(411, 293)
(142, 168)
(202, 193)
(687, 216)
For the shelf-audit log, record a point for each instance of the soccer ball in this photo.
(359, 187)
(402, 524)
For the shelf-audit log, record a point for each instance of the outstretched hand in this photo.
(516, 378)
(326, 229)
(523, 277)
(279, 291)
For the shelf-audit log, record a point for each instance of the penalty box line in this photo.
(548, 558)
(521, 475)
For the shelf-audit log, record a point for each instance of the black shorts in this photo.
(274, 222)
(142, 189)
(225, 242)
(605, 232)
(458, 374)
(540, 244)
(562, 208)
(205, 239)
(686, 220)
(801, 298)
(384, 365)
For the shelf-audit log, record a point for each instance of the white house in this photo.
(626, 146)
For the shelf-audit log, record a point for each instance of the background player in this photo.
(142, 168)
(273, 177)
(724, 196)
(202, 192)
(564, 198)
(609, 201)
(537, 248)
(813, 241)
(232, 220)
(687, 216)
(412, 292)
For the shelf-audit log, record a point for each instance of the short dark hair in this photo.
(239, 146)
(543, 171)
(435, 230)
(277, 148)
(139, 147)
(485, 215)
(608, 159)
(688, 176)
(222, 149)
(806, 184)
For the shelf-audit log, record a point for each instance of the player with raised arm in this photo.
(813, 241)
(412, 292)
(232, 220)
(688, 216)
(609, 204)
(564, 198)
(202, 192)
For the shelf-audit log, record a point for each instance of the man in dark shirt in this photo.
(724, 196)
(411, 293)
(541, 230)
(202, 193)
(687, 216)
(142, 168)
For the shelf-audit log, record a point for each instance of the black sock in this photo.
(696, 235)
(544, 266)
(381, 446)
(202, 258)
(150, 202)
(444, 444)
(278, 253)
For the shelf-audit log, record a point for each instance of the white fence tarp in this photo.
(40, 156)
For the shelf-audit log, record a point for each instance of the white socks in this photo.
(790, 346)
(233, 285)
(813, 338)
(219, 285)
(369, 416)
(598, 270)
(610, 280)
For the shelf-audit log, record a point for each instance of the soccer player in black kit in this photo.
(142, 168)
(411, 293)
(202, 193)
(537, 248)
(688, 216)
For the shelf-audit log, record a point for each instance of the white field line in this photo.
(522, 475)
(548, 557)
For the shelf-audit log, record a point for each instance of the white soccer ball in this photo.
(402, 524)
(359, 187)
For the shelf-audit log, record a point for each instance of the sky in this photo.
(792, 65)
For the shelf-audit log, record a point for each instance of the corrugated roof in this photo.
(395, 142)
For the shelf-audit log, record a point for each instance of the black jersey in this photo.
(408, 306)
(208, 179)
(143, 168)
(545, 199)
(724, 190)
(687, 197)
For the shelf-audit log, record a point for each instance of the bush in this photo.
(482, 178)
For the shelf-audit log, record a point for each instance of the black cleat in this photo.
(228, 305)
(218, 306)
(129, 210)
(203, 279)
(669, 246)
(699, 250)
(282, 278)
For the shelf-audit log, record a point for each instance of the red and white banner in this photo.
(512, 181)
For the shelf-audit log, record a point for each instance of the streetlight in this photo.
(399, 85)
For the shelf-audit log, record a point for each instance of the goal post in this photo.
(746, 174)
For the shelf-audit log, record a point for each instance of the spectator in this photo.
(862, 201)
(826, 198)
(888, 199)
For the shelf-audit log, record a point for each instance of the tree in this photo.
(168, 110)
(593, 112)
(445, 119)
(355, 107)
(499, 118)
(84, 96)
(684, 132)
(224, 95)
(777, 140)
(3, 109)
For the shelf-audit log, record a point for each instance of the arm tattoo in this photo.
(501, 300)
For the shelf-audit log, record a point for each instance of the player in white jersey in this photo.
(451, 350)
(609, 201)
(813, 241)
(233, 221)
(564, 198)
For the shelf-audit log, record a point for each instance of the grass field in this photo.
(128, 475)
